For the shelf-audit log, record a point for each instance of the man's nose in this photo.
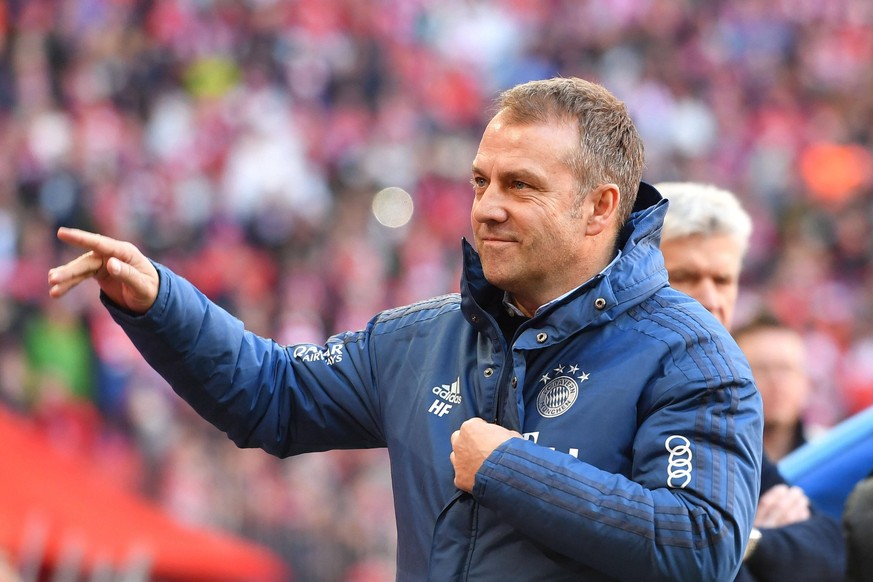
(711, 299)
(490, 206)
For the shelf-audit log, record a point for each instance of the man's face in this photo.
(528, 226)
(778, 361)
(708, 269)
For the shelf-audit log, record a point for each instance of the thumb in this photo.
(120, 270)
(142, 287)
(127, 274)
(113, 265)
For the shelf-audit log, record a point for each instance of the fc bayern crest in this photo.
(557, 396)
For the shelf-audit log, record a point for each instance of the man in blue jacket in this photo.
(567, 416)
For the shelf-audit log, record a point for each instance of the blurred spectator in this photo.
(778, 358)
(56, 344)
(858, 528)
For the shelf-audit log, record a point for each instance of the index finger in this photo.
(92, 241)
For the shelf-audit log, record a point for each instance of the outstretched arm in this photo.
(284, 399)
(124, 274)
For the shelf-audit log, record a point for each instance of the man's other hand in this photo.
(471, 445)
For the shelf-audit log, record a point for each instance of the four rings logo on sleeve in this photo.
(679, 464)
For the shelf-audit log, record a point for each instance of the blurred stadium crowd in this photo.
(241, 142)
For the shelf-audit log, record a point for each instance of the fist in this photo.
(471, 445)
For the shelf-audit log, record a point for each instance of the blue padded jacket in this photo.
(642, 450)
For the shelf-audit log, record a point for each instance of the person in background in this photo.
(704, 240)
(550, 422)
(858, 529)
(777, 355)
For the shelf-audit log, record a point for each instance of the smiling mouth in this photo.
(495, 243)
(497, 239)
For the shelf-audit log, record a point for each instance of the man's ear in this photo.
(604, 202)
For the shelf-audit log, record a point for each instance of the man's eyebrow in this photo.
(522, 175)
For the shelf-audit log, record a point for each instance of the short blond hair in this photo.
(610, 148)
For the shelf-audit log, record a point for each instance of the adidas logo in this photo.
(447, 396)
(449, 392)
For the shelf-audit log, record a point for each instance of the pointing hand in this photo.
(124, 274)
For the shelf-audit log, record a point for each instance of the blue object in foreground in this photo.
(828, 467)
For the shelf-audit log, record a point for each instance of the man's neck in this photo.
(779, 439)
(530, 308)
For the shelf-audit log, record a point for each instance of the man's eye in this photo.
(516, 185)
(478, 182)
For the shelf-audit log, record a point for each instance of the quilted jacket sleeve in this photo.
(286, 400)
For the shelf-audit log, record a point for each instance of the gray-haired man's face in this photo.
(708, 269)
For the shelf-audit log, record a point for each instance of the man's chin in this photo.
(498, 278)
